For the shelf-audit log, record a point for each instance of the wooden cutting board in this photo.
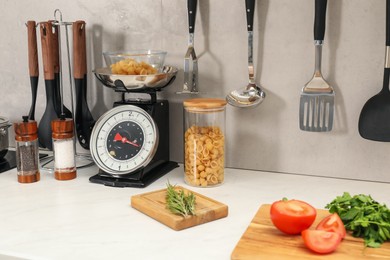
(153, 204)
(262, 240)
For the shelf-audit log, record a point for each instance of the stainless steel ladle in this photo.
(252, 95)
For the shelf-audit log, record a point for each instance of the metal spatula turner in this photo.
(316, 106)
(190, 77)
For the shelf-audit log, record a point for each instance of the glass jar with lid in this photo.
(27, 153)
(204, 141)
(63, 147)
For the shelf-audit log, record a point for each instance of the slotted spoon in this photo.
(316, 108)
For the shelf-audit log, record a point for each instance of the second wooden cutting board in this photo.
(153, 204)
(262, 240)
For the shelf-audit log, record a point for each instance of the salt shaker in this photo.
(204, 141)
(64, 150)
(27, 150)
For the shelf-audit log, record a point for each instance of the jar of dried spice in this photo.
(204, 141)
(27, 152)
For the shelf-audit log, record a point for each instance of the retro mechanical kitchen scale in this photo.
(130, 142)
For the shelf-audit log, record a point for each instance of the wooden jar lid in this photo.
(204, 103)
(26, 131)
(62, 128)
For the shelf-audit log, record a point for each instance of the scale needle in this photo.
(119, 138)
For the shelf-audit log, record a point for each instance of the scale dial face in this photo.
(123, 140)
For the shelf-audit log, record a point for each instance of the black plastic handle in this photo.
(319, 19)
(387, 22)
(191, 6)
(250, 10)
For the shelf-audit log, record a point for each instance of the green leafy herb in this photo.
(363, 216)
(180, 203)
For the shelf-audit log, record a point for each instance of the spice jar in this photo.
(63, 148)
(204, 141)
(27, 153)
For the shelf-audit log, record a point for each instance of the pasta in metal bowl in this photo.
(132, 67)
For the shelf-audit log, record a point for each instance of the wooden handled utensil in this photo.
(44, 128)
(316, 106)
(374, 120)
(32, 64)
(58, 93)
(84, 118)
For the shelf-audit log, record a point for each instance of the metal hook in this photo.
(55, 14)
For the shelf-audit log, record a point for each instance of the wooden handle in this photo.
(55, 47)
(47, 50)
(32, 49)
(84, 48)
(79, 52)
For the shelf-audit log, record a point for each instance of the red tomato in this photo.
(320, 241)
(333, 223)
(292, 216)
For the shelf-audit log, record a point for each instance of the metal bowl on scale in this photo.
(136, 70)
(136, 82)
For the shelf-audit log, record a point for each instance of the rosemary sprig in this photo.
(180, 203)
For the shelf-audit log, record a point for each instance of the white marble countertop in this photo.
(79, 220)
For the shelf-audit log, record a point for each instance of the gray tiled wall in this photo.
(264, 138)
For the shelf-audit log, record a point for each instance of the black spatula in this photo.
(84, 119)
(374, 120)
(57, 75)
(44, 128)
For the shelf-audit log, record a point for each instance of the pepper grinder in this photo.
(27, 152)
(63, 147)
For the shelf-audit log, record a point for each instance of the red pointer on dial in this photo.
(119, 138)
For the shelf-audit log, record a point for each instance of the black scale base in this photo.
(128, 181)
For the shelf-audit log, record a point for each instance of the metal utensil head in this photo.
(251, 96)
(190, 72)
(316, 112)
(316, 108)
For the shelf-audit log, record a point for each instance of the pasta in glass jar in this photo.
(204, 141)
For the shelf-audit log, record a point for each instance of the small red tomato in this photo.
(333, 223)
(292, 216)
(320, 241)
